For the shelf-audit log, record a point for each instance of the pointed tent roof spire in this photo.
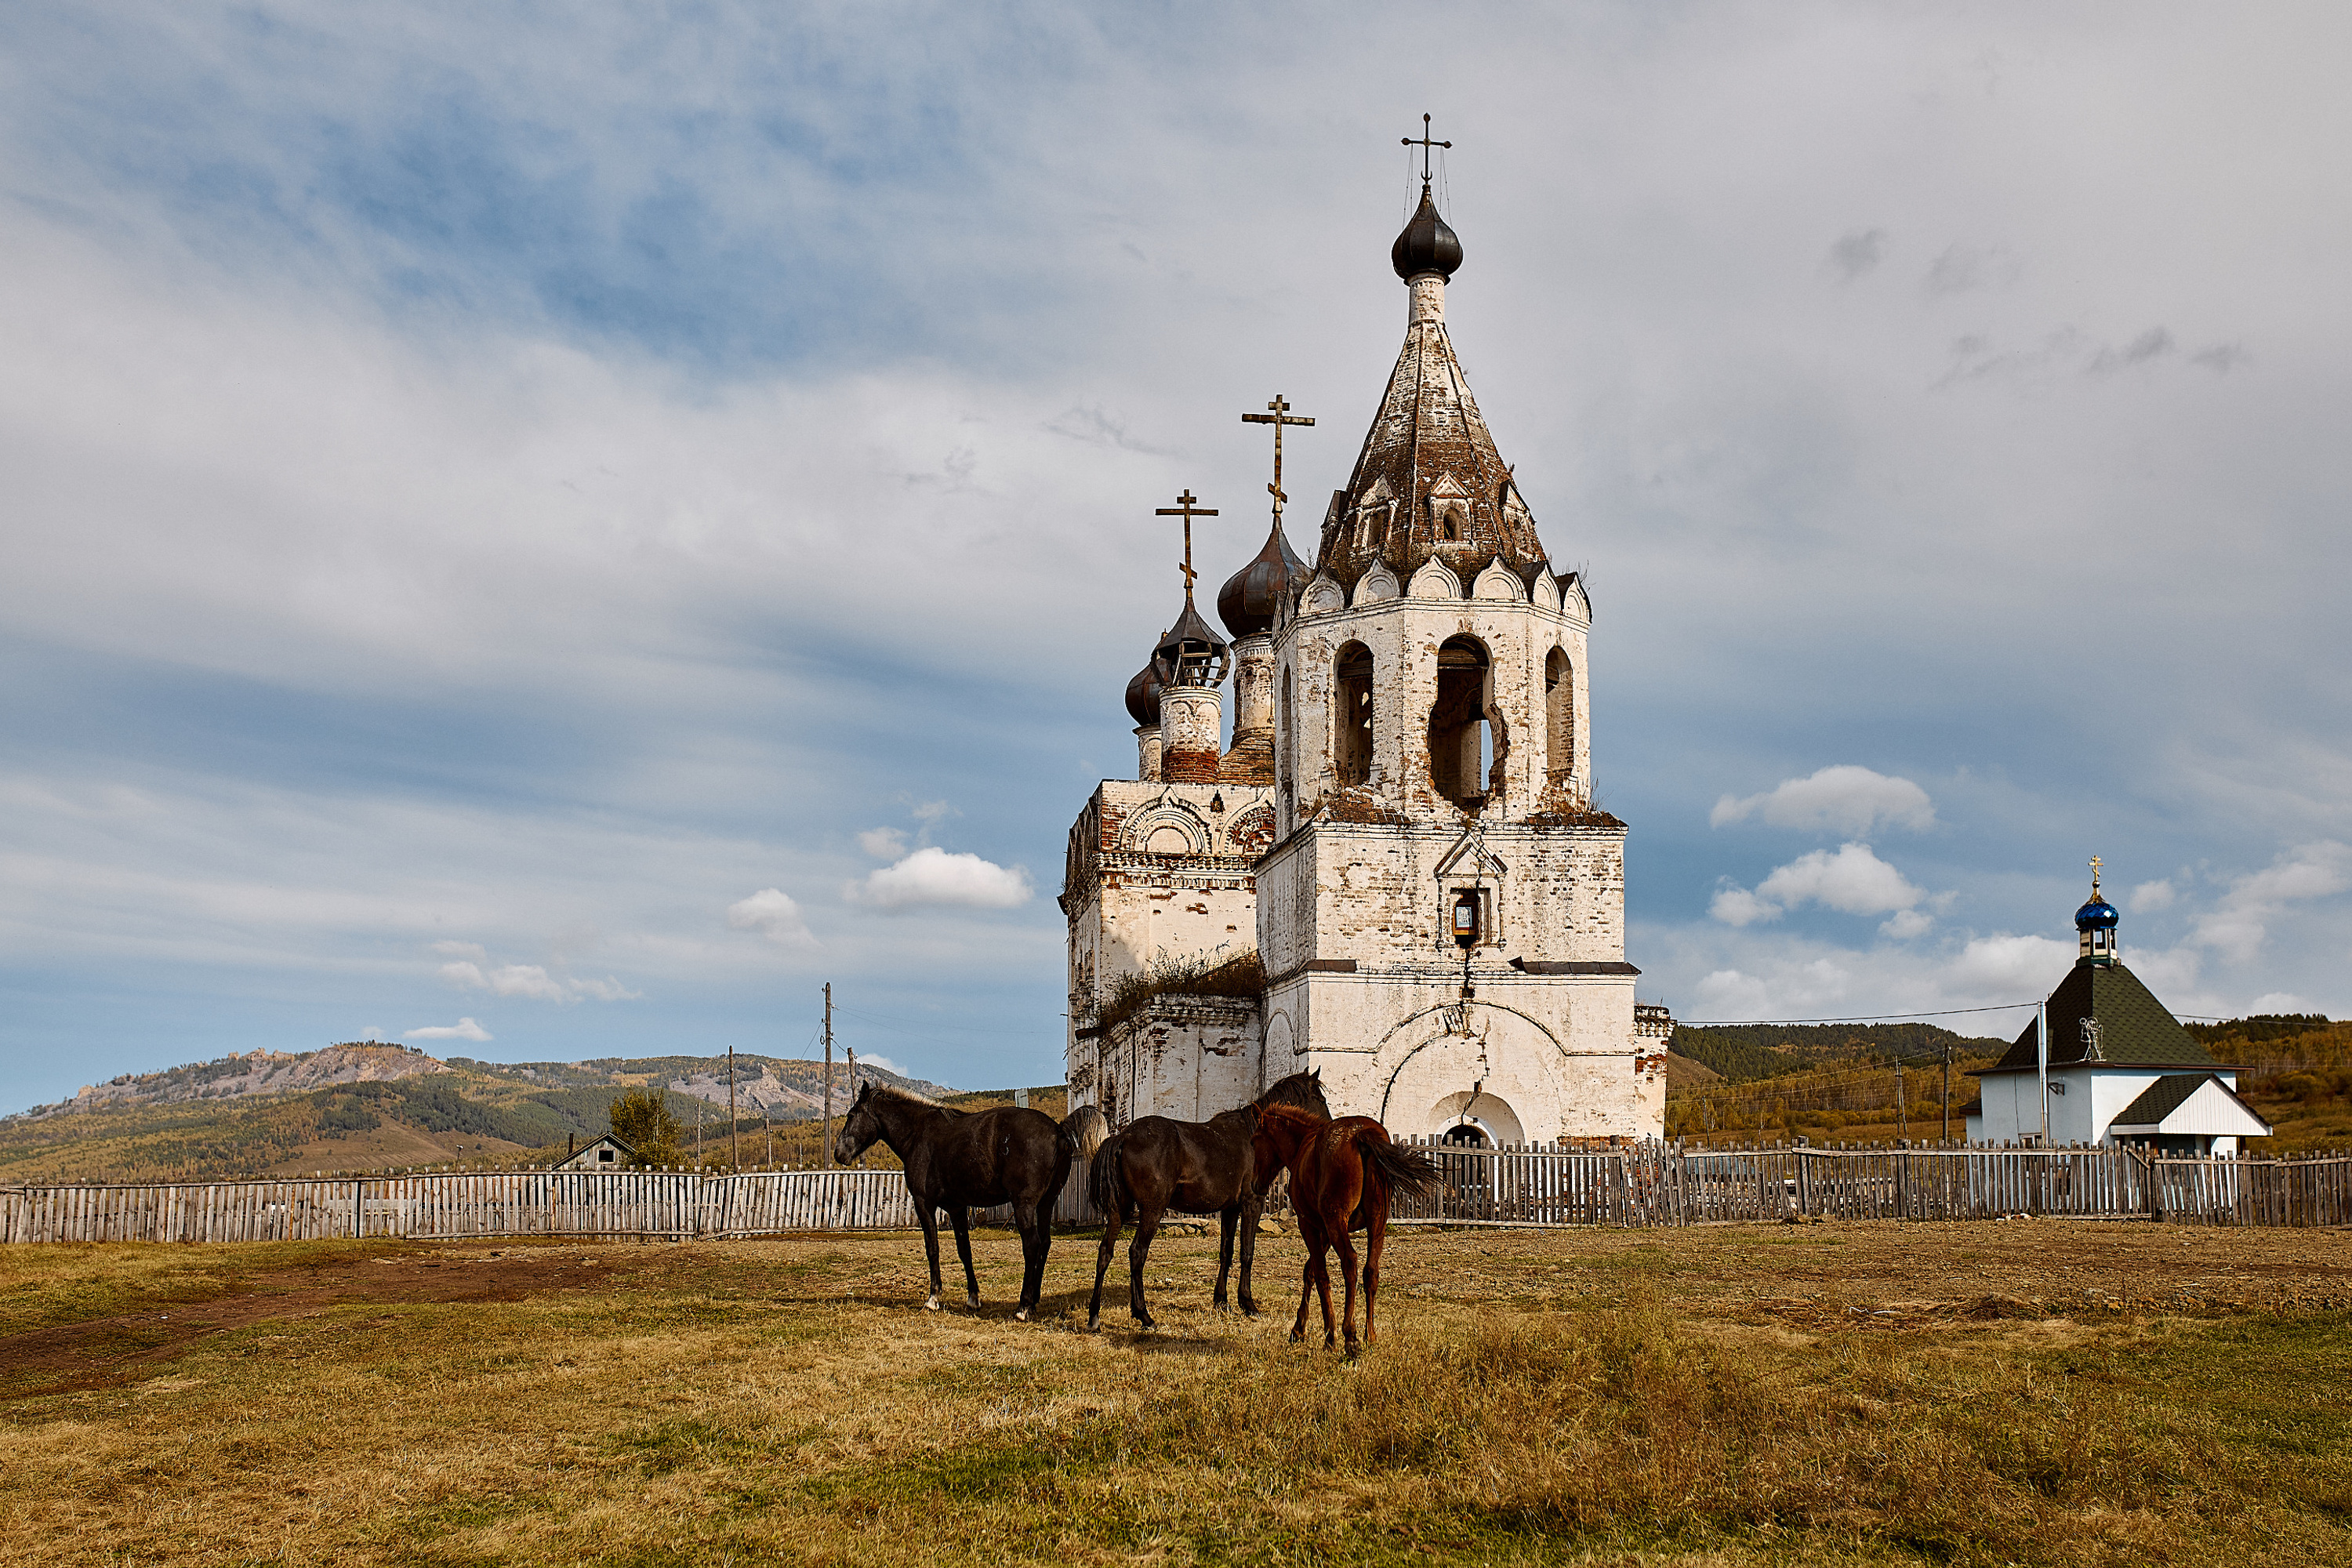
(1428, 482)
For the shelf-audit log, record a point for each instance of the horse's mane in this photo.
(1291, 1113)
(1293, 1090)
(906, 1096)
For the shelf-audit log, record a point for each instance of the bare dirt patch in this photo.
(121, 1348)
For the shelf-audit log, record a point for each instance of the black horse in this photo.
(962, 1159)
(1193, 1167)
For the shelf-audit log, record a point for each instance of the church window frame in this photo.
(1559, 717)
(1354, 729)
(1465, 746)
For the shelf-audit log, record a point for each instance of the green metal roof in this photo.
(2162, 1097)
(2134, 1028)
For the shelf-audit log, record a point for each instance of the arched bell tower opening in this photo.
(1461, 743)
(1560, 718)
(1351, 685)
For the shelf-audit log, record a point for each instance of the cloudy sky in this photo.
(554, 531)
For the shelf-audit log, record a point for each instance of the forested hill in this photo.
(1743, 1053)
(369, 1107)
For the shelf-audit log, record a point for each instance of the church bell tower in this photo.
(1441, 915)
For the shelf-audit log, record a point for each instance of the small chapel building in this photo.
(2115, 1067)
(1399, 848)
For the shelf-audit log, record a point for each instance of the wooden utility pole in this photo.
(828, 1074)
(734, 1152)
(853, 1073)
(1902, 1122)
(1947, 1091)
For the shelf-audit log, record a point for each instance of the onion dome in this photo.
(1191, 653)
(2096, 915)
(1427, 244)
(1143, 696)
(1248, 601)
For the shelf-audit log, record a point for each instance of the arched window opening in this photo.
(1468, 1134)
(1286, 737)
(1460, 751)
(1559, 717)
(1352, 714)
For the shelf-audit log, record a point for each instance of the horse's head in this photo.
(1302, 1089)
(859, 1129)
(1281, 1131)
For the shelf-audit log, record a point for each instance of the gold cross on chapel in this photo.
(1185, 508)
(2094, 873)
(1277, 414)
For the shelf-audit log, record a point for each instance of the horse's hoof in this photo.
(1094, 1325)
(974, 1303)
(1020, 1316)
(932, 1305)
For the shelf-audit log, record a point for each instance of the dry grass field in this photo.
(2021, 1392)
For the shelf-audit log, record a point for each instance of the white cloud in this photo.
(528, 980)
(883, 843)
(473, 950)
(2238, 928)
(2278, 1002)
(463, 1029)
(1738, 907)
(2150, 897)
(1907, 924)
(1842, 799)
(773, 914)
(605, 990)
(2011, 967)
(1851, 878)
(934, 875)
(884, 1063)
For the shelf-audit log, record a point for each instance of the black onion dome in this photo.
(1247, 602)
(1426, 245)
(1191, 653)
(1143, 696)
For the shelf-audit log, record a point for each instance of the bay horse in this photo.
(1159, 1163)
(962, 1159)
(1342, 1174)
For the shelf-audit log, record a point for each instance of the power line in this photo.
(1874, 1018)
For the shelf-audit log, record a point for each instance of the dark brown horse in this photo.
(1159, 1163)
(962, 1159)
(1341, 1176)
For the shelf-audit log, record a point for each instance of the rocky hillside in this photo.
(254, 1073)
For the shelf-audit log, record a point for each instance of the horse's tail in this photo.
(1406, 1171)
(1110, 1177)
(1084, 1129)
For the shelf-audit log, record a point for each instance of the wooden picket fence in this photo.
(1649, 1185)
(1665, 1184)
(445, 1206)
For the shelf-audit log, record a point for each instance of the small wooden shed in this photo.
(607, 1153)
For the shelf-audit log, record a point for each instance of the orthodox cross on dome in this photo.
(1277, 414)
(1424, 144)
(2094, 874)
(1185, 508)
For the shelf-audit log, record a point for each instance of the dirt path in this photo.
(107, 1351)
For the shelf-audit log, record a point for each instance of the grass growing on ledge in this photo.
(1206, 976)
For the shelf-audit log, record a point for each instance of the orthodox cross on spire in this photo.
(2094, 873)
(1277, 414)
(1424, 144)
(1185, 508)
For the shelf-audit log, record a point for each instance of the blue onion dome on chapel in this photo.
(2096, 915)
(1143, 696)
(1427, 244)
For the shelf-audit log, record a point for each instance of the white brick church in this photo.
(1400, 827)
